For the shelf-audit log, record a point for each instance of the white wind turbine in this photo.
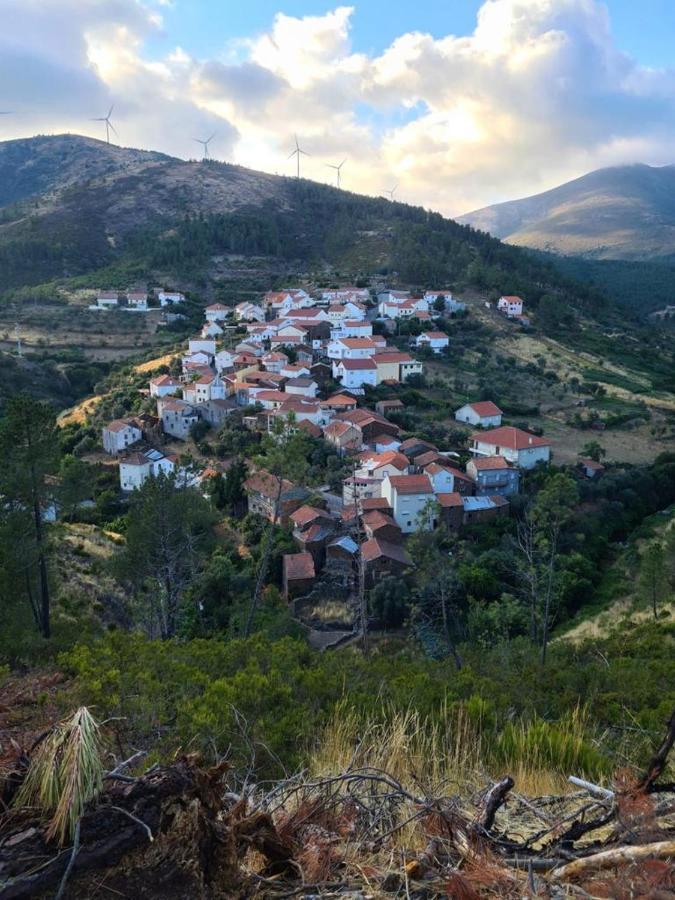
(108, 124)
(205, 144)
(337, 169)
(392, 192)
(297, 152)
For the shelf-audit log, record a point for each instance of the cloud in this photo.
(537, 94)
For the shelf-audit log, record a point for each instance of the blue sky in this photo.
(463, 103)
(643, 28)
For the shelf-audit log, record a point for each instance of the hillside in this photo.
(624, 212)
(140, 215)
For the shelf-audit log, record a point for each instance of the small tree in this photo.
(653, 576)
(594, 450)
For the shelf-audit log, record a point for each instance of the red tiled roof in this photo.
(448, 500)
(392, 356)
(311, 429)
(358, 343)
(340, 400)
(217, 306)
(485, 408)
(376, 548)
(337, 429)
(354, 365)
(375, 518)
(298, 566)
(510, 437)
(490, 462)
(164, 381)
(119, 425)
(411, 484)
(434, 335)
(512, 298)
(307, 514)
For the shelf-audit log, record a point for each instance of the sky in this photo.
(461, 103)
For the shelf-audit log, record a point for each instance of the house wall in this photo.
(116, 441)
(132, 477)
(524, 459)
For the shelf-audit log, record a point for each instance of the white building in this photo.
(519, 447)
(274, 362)
(136, 468)
(216, 312)
(249, 312)
(205, 388)
(178, 417)
(137, 300)
(224, 359)
(344, 294)
(199, 358)
(164, 386)
(107, 299)
(355, 373)
(302, 387)
(120, 434)
(168, 298)
(411, 498)
(352, 328)
(207, 345)
(353, 348)
(434, 340)
(510, 306)
(211, 330)
(485, 414)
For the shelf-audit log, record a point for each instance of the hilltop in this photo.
(623, 212)
(72, 206)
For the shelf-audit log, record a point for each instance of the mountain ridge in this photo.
(619, 212)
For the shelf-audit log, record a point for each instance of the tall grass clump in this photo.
(64, 774)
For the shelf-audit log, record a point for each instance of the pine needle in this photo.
(64, 774)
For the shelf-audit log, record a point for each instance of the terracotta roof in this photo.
(408, 443)
(449, 500)
(312, 429)
(300, 381)
(298, 566)
(411, 484)
(485, 408)
(435, 335)
(388, 457)
(107, 295)
(264, 483)
(336, 429)
(120, 424)
(354, 365)
(489, 462)
(270, 396)
(510, 437)
(393, 356)
(217, 306)
(512, 298)
(135, 459)
(376, 549)
(340, 400)
(275, 357)
(425, 458)
(375, 518)
(307, 514)
(307, 313)
(358, 343)
(375, 503)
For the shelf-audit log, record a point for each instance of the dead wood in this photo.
(494, 798)
(609, 859)
(658, 762)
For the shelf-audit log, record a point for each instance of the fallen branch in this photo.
(658, 762)
(593, 789)
(608, 859)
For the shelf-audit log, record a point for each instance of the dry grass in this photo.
(332, 611)
(78, 414)
(153, 364)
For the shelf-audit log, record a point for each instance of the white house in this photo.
(485, 413)
(302, 386)
(352, 348)
(168, 298)
(200, 358)
(224, 360)
(260, 331)
(211, 330)
(285, 300)
(393, 365)
(510, 306)
(275, 361)
(249, 312)
(306, 316)
(294, 370)
(178, 417)
(519, 447)
(389, 296)
(352, 328)
(137, 299)
(342, 295)
(402, 309)
(107, 299)
(164, 385)
(382, 465)
(136, 468)
(411, 497)
(120, 434)
(216, 312)
(205, 388)
(207, 345)
(434, 340)
(355, 373)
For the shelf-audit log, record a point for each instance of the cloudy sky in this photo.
(460, 102)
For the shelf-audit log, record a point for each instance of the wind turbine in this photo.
(297, 153)
(108, 124)
(392, 192)
(337, 169)
(205, 144)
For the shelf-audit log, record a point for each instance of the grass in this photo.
(460, 750)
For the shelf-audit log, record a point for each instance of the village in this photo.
(296, 347)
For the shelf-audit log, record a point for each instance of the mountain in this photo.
(624, 212)
(72, 206)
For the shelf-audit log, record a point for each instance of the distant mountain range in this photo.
(624, 212)
(74, 207)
